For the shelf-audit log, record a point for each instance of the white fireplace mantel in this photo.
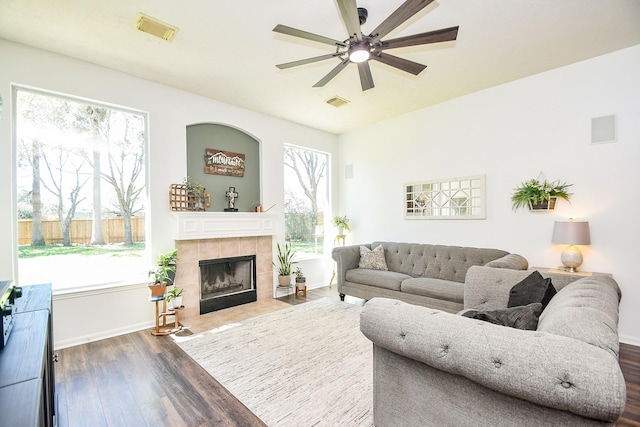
(219, 225)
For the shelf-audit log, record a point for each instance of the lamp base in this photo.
(571, 258)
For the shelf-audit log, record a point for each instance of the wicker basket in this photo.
(181, 200)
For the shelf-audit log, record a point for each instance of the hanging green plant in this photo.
(537, 191)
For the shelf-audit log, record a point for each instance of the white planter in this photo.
(176, 302)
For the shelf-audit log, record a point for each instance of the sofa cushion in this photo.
(520, 317)
(378, 278)
(434, 288)
(372, 259)
(533, 288)
(511, 261)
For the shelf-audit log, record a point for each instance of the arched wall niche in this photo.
(202, 136)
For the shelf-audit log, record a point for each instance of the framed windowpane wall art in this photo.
(451, 198)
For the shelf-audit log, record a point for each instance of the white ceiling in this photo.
(226, 49)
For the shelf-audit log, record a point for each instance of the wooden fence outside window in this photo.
(81, 228)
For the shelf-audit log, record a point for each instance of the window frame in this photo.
(139, 277)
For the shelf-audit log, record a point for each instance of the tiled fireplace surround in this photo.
(211, 235)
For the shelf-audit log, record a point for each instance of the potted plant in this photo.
(285, 261)
(342, 222)
(196, 193)
(168, 259)
(300, 279)
(540, 194)
(174, 296)
(301, 282)
(160, 275)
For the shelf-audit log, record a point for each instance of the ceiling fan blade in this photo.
(283, 29)
(366, 79)
(306, 61)
(444, 35)
(400, 63)
(349, 15)
(332, 73)
(404, 12)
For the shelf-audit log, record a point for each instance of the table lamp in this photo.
(571, 233)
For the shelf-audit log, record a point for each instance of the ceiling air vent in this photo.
(336, 101)
(152, 26)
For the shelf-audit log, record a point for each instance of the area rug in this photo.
(308, 365)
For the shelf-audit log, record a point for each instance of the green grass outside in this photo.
(307, 247)
(118, 250)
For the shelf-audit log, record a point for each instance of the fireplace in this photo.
(227, 282)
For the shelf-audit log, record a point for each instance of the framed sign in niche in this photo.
(450, 198)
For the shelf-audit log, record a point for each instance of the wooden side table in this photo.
(338, 241)
(164, 328)
(574, 273)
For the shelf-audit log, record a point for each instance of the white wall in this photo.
(511, 133)
(101, 314)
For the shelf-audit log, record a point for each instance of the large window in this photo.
(306, 198)
(80, 191)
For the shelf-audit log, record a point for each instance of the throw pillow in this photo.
(372, 259)
(533, 288)
(521, 317)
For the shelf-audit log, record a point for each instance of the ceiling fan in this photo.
(360, 48)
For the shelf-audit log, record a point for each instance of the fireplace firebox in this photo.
(227, 282)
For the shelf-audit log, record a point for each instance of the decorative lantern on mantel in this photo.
(188, 196)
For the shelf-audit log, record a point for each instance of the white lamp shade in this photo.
(571, 233)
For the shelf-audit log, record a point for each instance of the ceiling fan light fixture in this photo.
(359, 52)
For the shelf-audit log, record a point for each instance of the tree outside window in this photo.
(80, 181)
(306, 198)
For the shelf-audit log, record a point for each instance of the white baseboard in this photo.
(71, 342)
(626, 339)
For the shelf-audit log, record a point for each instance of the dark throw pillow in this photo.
(521, 317)
(533, 288)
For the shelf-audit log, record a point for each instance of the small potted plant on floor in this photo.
(174, 296)
(285, 261)
(540, 194)
(301, 281)
(342, 223)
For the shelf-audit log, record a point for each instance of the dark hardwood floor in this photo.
(140, 380)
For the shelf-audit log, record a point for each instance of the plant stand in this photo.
(338, 241)
(164, 328)
(301, 287)
(286, 288)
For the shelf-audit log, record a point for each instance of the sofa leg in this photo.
(341, 297)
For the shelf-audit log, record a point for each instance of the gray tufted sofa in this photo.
(433, 368)
(423, 274)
